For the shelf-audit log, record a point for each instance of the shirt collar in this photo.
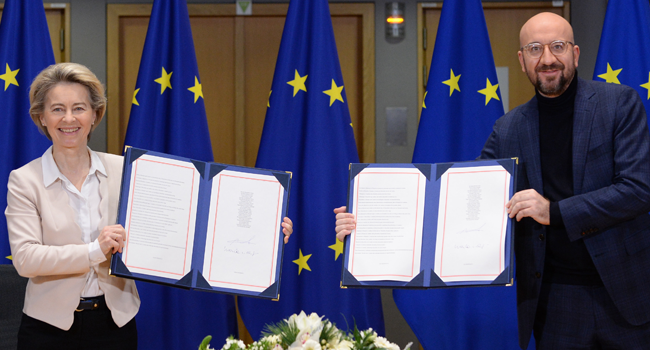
(51, 172)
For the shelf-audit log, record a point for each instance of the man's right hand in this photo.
(345, 223)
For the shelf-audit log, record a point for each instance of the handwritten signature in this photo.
(473, 230)
(239, 252)
(470, 246)
(239, 241)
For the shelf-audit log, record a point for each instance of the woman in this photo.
(60, 210)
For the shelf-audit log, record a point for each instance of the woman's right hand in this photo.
(112, 239)
(345, 223)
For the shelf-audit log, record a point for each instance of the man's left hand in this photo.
(529, 203)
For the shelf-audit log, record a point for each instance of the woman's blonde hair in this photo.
(49, 77)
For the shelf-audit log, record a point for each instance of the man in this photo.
(584, 193)
(583, 233)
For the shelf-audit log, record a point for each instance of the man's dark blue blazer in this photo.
(609, 209)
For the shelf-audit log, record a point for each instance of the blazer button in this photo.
(538, 275)
(541, 236)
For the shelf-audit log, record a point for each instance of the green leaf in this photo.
(205, 343)
(288, 332)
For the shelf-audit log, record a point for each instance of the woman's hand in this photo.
(345, 223)
(287, 229)
(112, 239)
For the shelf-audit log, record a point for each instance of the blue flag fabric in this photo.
(168, 115)
(461, 104)
(624, 51)
(308, 131)
(25, 50)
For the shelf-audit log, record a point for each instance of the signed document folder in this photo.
(430, 225)
(201, 225)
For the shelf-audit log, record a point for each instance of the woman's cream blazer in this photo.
(47, 247)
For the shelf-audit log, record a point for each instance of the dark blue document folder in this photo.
(206, 253)
(458, 244)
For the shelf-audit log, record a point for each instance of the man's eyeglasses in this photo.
(536, 50)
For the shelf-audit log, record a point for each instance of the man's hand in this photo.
(345, 223)
(529, 203)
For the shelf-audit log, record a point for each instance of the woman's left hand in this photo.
(287, 229)
(111, 239)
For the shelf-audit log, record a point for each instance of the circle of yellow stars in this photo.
(299, 83)
(302, 259)
(490, 91)
(611, 76)
(165, 82)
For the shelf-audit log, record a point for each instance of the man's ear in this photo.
(521, 61)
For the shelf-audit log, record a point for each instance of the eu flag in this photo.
(624, 52)
(168, 115)
(308, 131)
(25, 50)
(461, 104)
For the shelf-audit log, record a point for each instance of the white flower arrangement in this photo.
(302, 332)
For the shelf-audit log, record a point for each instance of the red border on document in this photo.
(417, 201)
(187, 237)
(444, 226)
(275, 233)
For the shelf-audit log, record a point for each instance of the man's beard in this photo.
(553, 87)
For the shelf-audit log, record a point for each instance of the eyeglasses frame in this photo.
(524, 50)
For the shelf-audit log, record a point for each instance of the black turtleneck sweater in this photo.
(566, 262)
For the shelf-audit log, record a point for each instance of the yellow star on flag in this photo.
(337, 248)
(490, 91)
(647, 86)
(334, 93)
(452, 82)
(268, 102)
(9, 77)
(135, 101)
(612, 75)
(302, 261)
(9, 257)
(424, 99)
(196, 89)
(164, 80)
(298, 83)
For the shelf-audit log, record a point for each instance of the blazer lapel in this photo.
(583, 117)
(529, 144)
(61, 213)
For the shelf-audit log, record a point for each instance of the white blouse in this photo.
(85, 204)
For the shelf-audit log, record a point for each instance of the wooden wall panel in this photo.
(58, 22)
(236, 57)
(503, 20)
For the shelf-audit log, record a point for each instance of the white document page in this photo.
(387, 243)
(161, 216)
(241, 249)
(472, 222)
